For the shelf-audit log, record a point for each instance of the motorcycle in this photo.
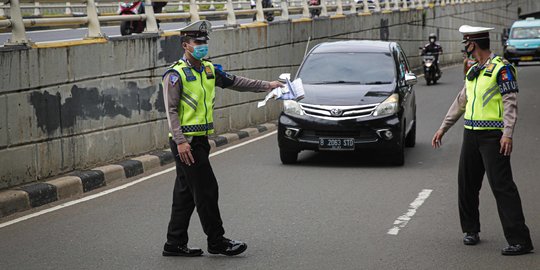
(133, 8)
(314, 11)
(268, 15)
(431, 73)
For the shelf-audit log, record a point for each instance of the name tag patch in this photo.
(189, 74)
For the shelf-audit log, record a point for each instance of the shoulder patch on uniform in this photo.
(174, 78)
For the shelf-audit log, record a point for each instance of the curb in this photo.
(79, 182)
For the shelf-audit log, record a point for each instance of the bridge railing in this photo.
(12, 11)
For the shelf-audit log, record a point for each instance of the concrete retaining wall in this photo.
(73, 106)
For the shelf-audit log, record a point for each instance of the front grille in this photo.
(338, 112)
(526, 51)
(359, 136)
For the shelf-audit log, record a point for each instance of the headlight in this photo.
(510, 48)
(292, 107)
(387, 107)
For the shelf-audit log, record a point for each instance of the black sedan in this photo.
(358, 95)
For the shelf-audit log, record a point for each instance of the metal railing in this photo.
(15, 21)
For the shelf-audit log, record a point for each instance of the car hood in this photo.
(524, 43)
(346, 94)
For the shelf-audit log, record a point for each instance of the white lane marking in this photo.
(105, 192)
(404, 219)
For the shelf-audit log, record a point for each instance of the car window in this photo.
(355, 68)
(525, 33)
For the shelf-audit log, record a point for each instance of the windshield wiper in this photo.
(337, 82)
(379, 82)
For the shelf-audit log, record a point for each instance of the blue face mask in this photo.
(199, 51)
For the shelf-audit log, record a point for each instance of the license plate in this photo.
(336, 144)
(526, 58)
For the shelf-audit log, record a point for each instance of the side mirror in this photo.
(284, 77)
(410, 79)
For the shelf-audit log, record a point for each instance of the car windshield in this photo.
(526, 33)
(348, 68)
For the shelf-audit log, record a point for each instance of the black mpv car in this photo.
(358, 95)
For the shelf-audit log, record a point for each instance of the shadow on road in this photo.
(366, 158)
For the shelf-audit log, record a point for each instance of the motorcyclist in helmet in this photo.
(434, 48)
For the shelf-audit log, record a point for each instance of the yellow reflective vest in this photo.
(196, 106)
(484, 110)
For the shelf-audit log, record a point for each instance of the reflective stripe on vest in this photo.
(484, 110)
(196, 106)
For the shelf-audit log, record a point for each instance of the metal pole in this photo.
(405, 7)
(151, 23)
(37, 11)
(353, 7)
(324, 9)
(387, 5)
(259, 9)
(396, 5)
(68, 8)
(193, 11)
(2, 13)
(284, 10)
(305, 9)
(18, 32)
(231, 17)
(94, 30)
(377, 6)
(181, 6)
(339, 10)
(366, 7)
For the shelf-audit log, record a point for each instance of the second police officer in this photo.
(189, 96)
(488, 103)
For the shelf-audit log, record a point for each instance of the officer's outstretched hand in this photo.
(275, 84)
(506, 146)
(436, 142)
(184, 153)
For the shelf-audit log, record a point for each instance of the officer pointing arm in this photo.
(189, 95)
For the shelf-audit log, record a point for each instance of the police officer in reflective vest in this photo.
(189, 95)
(488, 103)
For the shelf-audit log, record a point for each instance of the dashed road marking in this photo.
(402, 220)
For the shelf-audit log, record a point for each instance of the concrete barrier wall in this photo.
(66, 107)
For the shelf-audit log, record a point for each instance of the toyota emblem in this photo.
(336, 112)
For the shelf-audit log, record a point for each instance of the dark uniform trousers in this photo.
(195, 186)
(479, 155)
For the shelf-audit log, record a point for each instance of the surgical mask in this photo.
(469, 53)
(199, 51)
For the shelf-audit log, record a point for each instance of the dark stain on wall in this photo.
(92, 104)
(384, 30)
(171, 49)
(159, 104)
(47, 108)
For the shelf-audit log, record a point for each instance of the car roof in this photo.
(526, 23)
(354, 46)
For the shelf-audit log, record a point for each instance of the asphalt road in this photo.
(110, 31)
(327, 212)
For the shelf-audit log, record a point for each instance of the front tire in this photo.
(125, 28)
(288, 157)
(410, 141)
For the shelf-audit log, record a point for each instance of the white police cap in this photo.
(198, 30)
(472, 33)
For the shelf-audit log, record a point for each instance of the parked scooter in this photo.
(133, 8)
(431, 72)
(314, 11)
